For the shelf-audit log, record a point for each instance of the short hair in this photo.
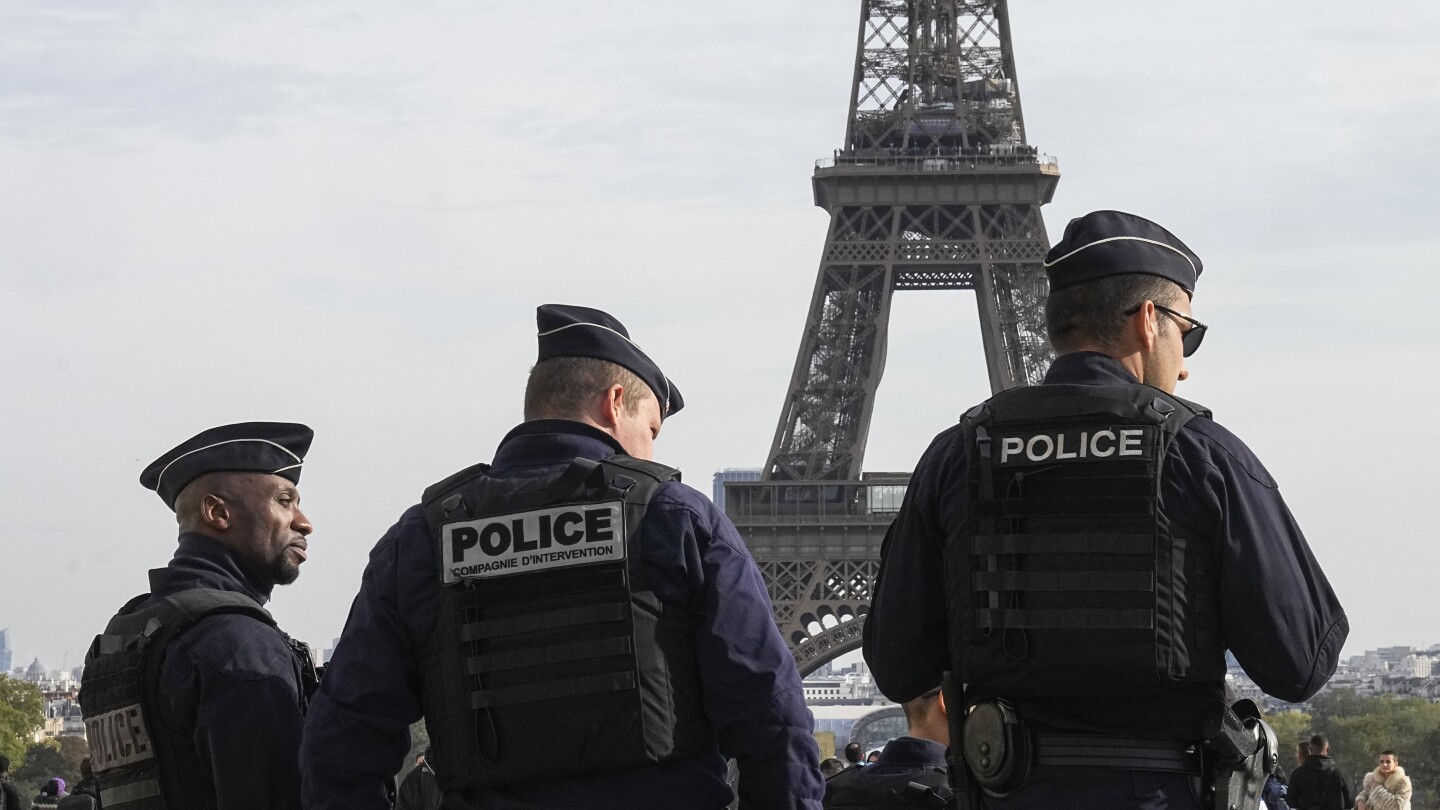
(566, 387)
(4, 763)
(1093, 311)
(1319, 743)
(917, 708)
(831, 766)
(187, 502)
(1388, 752)
(854, 752)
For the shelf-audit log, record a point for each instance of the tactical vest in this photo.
(140, 762)
(551, 656)
(1066, 565)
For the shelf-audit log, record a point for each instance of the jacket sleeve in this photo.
(357, 729)
(241, 676)
(907, 635)
(750, 686)
(1282, 619)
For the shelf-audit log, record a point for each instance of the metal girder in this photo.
(934, 74)
(820, 605)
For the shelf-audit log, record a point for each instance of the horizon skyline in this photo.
(346, 215)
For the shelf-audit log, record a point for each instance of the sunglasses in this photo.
(1191, 338)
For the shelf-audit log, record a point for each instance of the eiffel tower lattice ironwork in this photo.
(936, 188)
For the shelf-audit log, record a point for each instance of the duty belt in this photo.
(1134, 754)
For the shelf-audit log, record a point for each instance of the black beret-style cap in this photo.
(277, 448)
(1112, 243)
(570, 331)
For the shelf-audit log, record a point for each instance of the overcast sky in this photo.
(345, 214)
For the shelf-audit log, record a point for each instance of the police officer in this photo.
(909, 772)
(192, 696)
(577, 628)
(1102, 543)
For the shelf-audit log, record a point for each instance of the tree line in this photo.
(32, 764)
(1359, 727)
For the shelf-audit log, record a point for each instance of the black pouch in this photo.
(997, 747)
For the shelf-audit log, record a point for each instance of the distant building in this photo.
(1405, 671)
(5, 655)
(35, 673)
(1415, 666)
(62, 717)
(851, 685)
(732, 474)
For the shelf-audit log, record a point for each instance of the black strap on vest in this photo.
(121, 709)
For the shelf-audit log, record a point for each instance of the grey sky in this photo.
(345, 214)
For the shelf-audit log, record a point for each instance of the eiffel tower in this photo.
(936, 188)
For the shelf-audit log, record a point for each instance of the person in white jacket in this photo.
(1387, 787)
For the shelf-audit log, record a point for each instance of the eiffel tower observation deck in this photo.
(936, 188)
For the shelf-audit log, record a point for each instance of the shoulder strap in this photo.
(653, 469)
(170, 617)
(445, 501)
(1045, 402)
(439, 488)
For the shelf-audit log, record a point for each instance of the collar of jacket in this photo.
(1087, 368)
(913, 753)
(551, 442)
(204, 562)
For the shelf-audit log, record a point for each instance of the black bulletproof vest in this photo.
(140, 762)
(551, 656)
(1066, 565)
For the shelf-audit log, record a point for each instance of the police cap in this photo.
(1112, 243)
(277, 448)
(570, 331)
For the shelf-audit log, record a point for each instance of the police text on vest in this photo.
(118, 738)
(1095, 444)
(521, 542)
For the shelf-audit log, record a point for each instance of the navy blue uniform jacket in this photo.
(1278, 613)
(231, 685)
(356, 732)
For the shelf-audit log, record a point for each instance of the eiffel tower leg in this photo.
(826, 419)
(1010, 291)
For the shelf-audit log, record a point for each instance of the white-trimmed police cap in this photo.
(1112, 243)
(277, 448)
(571, 331)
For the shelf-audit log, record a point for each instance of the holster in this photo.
(1242, 753)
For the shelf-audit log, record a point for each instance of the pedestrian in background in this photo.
(1318, 784)
(1387, 787)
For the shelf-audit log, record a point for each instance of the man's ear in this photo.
(612, 406)
(214, 512)
(1145, 326)
(941, 700)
